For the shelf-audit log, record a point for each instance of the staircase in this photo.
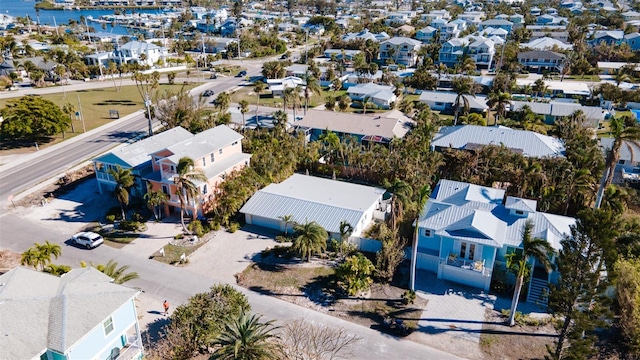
(538, 291)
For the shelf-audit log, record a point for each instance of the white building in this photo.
(400, 50)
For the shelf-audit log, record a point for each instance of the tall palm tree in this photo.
(155, 199)
(312, 238)
(48, 250)
(539, 87)
(423, 196)
(312, 87)
(244, 108)
(30, 257)
(498, 101)
(69, 109)
(622, 133)
(222, 101)
(463, 87)
(532, 248)
(293, 98)
(246, 338)
(124, 180)
(401, 194)
(117, 274)
(186, 189)
(258, 88)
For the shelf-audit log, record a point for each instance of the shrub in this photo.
(110, 219)
(116, 212)
(179, 236)
(127, 225)
(355, 274)
(196, 228)
(136, 216)
(214, 225)
(408, 297)
(233, 227)
(334, 245)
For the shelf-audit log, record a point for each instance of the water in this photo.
(23, 8)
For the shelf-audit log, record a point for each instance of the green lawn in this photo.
(96, 104)
(172, 253)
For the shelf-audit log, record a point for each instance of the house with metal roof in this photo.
(217, 152)
(465, 232)
(400, 50)
(541, 60)
(554, 110)
(629, 163)
(136, 157)
(80, 315)
(472, 137)
(325, 201)
(367, 128)
(381, 95)
(546, 43)
(444, 100)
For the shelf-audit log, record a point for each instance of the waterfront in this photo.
(51, 17)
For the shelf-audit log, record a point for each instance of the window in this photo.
(468, 250)
(165, 189)
(99, 166)
(173, 168)
(220, 151)
(519, 212)
(234, 143)
(204, 189)
(108, 326)
(427, 232)
(212, 157)
(204, 161)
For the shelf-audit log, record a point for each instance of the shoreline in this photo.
(83, 7)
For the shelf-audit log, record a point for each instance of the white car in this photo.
(87, 239)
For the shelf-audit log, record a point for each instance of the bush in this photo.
(233, 227)
(214, 225)
(110, 219)
(196, 228)
(178, 237)
(127, 225)
(116, 212)
(334, 245)
(408, 297)
(136, 216)
(354, 274)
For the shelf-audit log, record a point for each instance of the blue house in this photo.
(80, 315)
(466, 231)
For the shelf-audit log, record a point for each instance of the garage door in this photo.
(274, 224)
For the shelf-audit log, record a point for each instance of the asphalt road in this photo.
(56, 160)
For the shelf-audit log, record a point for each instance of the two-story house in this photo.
(365, 35)
(434, 15)
(541, 60)
(609, 37)
(400, 50)
(217, 152)
(465, 232)
(478, 47)
(633, 40)
(141, 52)
(452, 50)
(496, 23)
(79, 315)
(426, 34)
(397, 18)
(135, 157)
(472, 17)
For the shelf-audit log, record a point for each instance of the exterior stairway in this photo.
(538, 291)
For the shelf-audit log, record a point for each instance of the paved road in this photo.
(56, 160)
(161, 281)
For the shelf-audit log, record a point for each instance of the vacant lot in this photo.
(96, 104)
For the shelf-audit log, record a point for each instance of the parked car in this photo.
(213, 76)
(242, 73)
(87, 239)
(208, 93)
(284, 57)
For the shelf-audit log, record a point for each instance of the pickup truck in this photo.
(87, 239)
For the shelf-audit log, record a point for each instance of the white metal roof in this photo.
(203, 143)
(310, 198)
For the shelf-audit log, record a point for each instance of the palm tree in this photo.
(288, 220)
(345, 232)
(401, 193)
(620, 76)
(336, 84)
(259, 87)
(57, 270)
(539, 87)
(627, 134)
(498, 101)
(30, 257)
(423, 196)
(48, 250)
(532, 248)
(313, 87)
(244, 108)
(312, 238)
(155, 199)
(111, 269)
(124, 180)
(463, 87)
(246, 338)
(186, 189)
(69, 109)
(222, 101)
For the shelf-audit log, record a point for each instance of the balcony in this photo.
(472, 273)
(131, 350)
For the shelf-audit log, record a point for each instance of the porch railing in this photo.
(132, 350)
(475, 266)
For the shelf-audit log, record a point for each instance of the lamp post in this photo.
(147, 104)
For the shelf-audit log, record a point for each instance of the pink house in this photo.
(217, 152)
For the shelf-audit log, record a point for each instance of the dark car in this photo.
(213, 76)
(242, 73)
(284, 57)
(208, 93)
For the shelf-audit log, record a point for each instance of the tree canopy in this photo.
(32, 118)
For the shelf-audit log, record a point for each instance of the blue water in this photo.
(23, 8)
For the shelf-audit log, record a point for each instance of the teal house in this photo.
(466, 230)
(80, 315)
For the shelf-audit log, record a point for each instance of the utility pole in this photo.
(147, 103)
(96, 46)
(84, 129)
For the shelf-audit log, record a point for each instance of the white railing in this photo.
(475, 266)
(132, 350)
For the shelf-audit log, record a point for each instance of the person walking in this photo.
(165, 304)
